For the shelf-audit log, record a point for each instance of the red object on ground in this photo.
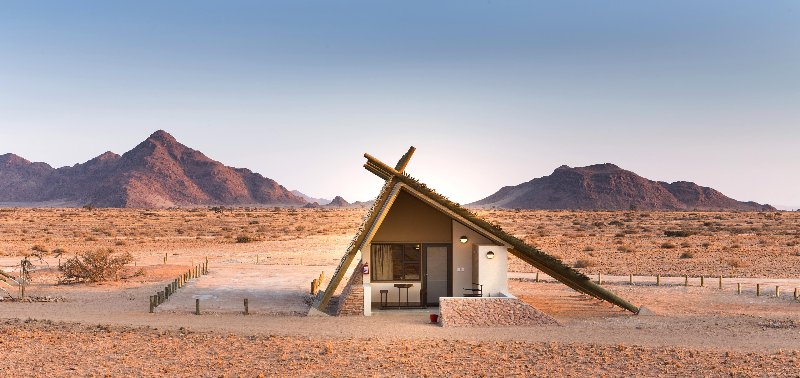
(434, 318)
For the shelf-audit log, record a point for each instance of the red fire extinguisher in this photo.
(365, 268)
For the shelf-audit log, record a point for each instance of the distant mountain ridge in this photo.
(159, 172)
(609, 187)
(309, 199)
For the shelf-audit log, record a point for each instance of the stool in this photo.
(384, 298)
(399, 296)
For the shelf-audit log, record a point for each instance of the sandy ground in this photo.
(105, 328)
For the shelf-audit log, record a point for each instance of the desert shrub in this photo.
(120, 242)
(667, 245)
(685, 245)
(95, 266)
(584, 263)
(39, 248)
(706, 245)
(588, 248)
(792, 243)
(737, 263)
(244, 239)
(615, 223)
(687, 255)
(678, 233)
(625, 249)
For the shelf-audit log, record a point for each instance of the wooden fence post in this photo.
(720, 282)
(152, 305)
(658, 280)
(795, 293)
(738, 288)
(197, 306)
(758, 290)
(686, 280)
(537, 276)
(165, 258)
(702, 281)
(630, 278)
(777, 291)
(246, 307)
(599, 279)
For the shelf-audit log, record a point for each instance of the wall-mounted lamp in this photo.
(490, 255)
(463, 239)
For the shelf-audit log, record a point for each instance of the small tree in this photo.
(95, 266)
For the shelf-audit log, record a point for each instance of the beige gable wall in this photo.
(413, 221)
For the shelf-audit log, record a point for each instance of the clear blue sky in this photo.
(491, 93)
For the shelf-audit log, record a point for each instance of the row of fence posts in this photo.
(316, 283)
(162, 295)
(702, 284)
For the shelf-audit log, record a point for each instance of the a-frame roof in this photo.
(397, 179)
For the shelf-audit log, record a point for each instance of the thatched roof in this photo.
(397, 179)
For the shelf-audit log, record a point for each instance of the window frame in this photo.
(414, 246)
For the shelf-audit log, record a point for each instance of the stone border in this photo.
(490, 312)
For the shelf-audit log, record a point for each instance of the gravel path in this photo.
(61, 349)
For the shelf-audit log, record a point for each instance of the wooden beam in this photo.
(584, 286)
(381, 165)
(403, 162)
(377, 171)
(550, 272)
(382, 204)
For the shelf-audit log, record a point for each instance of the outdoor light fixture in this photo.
(463, 239)
(490, 255)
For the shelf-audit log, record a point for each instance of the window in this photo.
(396, 262)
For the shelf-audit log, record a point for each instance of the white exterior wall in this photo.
(491, 273)
(462, 256)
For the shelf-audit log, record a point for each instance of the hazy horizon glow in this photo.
(491, 93)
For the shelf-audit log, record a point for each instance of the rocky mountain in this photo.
(609, 187)
(159, 172)
(338, 201)
(319, 201)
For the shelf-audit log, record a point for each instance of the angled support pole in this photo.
(403, 162)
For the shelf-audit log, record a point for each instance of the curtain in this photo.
(382, 262)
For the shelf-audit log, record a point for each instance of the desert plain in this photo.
(270, 255)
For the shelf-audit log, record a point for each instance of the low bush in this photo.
(244, 239)
(687, 255)
(95, 266)
(625, 249)
(737, 263)
(667, 245)
(678, 233)
(584, 264)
